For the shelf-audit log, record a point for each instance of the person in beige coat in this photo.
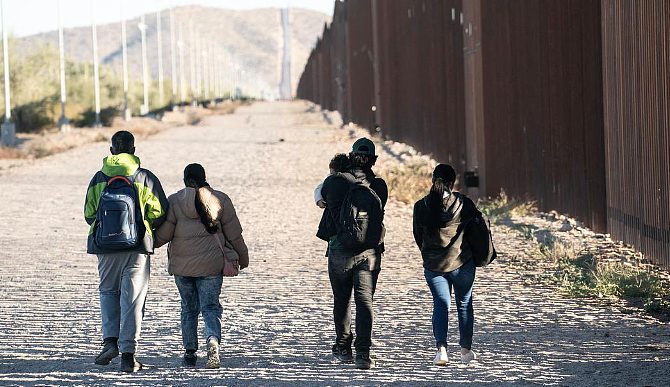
(196, 216)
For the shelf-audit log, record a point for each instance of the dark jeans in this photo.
(359, 273)
(199, 295)
(441, 284)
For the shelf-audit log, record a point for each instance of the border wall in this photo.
(566, 102)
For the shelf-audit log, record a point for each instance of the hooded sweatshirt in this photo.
(443, 246)
(193, 251)
(152, 201)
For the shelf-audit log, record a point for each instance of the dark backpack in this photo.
(361, 225)
(478, 236)
(117, 224)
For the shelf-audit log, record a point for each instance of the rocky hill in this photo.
(253, 39)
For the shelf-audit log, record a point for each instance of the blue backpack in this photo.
(117, 217)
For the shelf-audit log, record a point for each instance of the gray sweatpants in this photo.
(124, 281)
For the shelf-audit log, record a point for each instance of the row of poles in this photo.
(208, 71)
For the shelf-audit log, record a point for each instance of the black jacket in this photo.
(335, 189)
(443, 246)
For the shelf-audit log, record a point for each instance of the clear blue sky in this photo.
(28, 17)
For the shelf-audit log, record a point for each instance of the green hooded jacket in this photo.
(153, 202)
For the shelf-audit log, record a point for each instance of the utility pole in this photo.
(96, 73)
(205, 74)
(126, 110)
(217, 74)
(212, 74)
(8, 131)
(198, 70)
(182, 80)
(173, 60)
(191, 54)
(145, 70)
(161, 88)
(63, 123)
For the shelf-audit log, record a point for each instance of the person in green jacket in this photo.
(124, 271)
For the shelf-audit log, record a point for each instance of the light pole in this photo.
(126, 110)
(205, 72)
(63, 123)
(198, 70)
(191, 54)
(96, 73)
(159, 34)
(8, 131)
(173, 60)
(144, 110)
(212, 74)
(217, 73)
(182, 80)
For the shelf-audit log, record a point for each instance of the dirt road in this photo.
(277, 315)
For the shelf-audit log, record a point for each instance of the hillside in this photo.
(253, 38)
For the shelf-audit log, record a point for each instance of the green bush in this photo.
(107, 115)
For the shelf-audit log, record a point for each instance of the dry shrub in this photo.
(140, 127)
(408, 184)
(12, 153)
(503, 206)
(588, 275)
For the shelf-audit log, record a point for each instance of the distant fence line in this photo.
(566, 101)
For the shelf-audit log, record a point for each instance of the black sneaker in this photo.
(110, 350)
(343, 354)
(364, 362)
(190, 358)
(129, 364)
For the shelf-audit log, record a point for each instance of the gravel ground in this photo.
(277, 315)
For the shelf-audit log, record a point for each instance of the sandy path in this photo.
(277, 315)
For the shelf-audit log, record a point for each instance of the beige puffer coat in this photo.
(192, 251)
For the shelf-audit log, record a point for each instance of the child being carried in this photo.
(337, 164)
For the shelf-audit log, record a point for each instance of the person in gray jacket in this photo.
(439, 225)
(197, 217)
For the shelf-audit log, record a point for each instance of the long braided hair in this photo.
(194, 177)
(443, 175)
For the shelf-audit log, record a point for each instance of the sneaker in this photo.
(468, 357)
(213, 360)
(364, 362)
(343, 354)
(441, 358)
(129, 364)
(110, 350)
(190, 358)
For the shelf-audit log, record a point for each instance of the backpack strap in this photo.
(128, 179)
(218, 241)
(351, 179)
(113, 179)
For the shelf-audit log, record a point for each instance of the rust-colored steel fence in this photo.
(540, 98)
(636, 52)
(542, 104)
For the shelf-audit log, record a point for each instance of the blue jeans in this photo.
(124, 282)
(199, 295)
(441, 284)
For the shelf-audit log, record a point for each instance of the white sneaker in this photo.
(441, 357)
(213, 360)
(468, 357)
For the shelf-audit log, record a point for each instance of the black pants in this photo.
(359, 273)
